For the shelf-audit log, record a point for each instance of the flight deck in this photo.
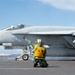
(20, 67)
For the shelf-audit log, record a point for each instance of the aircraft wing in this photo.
(52, 33)
(46, 33)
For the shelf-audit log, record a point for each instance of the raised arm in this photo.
(29, 42)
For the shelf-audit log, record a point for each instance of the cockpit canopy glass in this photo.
(12, 27)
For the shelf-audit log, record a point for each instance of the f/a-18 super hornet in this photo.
(59, 39)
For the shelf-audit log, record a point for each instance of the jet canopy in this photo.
(19, 26)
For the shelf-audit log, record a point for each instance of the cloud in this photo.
(61, 4)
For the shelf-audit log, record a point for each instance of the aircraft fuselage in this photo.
(59, 39)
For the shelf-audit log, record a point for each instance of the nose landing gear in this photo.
(25, 57)
(27, 52)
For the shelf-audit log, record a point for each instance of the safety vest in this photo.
(39, 52)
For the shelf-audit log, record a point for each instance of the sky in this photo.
(36, 12)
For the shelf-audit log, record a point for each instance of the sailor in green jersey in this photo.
(39, 53)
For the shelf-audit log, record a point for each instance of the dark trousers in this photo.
(42, 62)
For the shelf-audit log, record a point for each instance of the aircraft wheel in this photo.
(25, 57)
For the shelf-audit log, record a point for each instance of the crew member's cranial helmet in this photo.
(39, 40)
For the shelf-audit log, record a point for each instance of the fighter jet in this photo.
(59, 39)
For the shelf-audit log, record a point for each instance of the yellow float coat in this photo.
(39, 52)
